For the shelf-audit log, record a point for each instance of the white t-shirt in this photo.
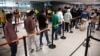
(60, 15)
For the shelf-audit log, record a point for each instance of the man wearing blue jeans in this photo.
(43, 23)
(10, 35)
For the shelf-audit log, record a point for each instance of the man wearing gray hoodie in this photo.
(67, 19)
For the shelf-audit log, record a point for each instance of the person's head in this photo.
(17, 10)
(42, 11)
(3, 10)
(68, 10)
(9, 17)
(59, 9)
(65, 7)
(31, 13)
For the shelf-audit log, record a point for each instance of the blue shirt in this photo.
(85, 14)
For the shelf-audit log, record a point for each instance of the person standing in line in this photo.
(10, 34)
(61, 20)
(74, 16)
(55, 25)
(0, 19)
(30, 26)
(84, 18)
(67, 19)
(43, 23)
(3, 20)
(93, 17)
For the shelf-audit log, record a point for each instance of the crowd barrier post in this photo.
(88, 38)
(52, 45)
(25, 45)
(16, 25)
(63, 37)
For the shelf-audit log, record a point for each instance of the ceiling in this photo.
(67, 1)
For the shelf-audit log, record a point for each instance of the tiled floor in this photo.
(63, 47)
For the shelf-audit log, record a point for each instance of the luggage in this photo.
(82, 27)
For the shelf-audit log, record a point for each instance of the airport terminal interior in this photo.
(49, 27)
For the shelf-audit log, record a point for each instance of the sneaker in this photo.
(41, 46)
(37, 50)
(48, 43)
(56, 38)
(32, 50)
(3, 37)
(93, 31)
(98, 29)
(71, 31)
(76, 27)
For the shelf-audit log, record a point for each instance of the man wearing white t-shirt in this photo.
(61, 20)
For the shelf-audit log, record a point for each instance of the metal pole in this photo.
(63, 37)
(52, 45)
(88, 38)
(25, 47)
(87, 44)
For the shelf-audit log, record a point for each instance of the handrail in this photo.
(25, 36)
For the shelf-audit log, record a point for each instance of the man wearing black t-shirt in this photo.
(43, 23)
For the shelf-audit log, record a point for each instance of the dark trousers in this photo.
(13, 47)
(98, 27)
(46, 35)
(67, 26)
(3, 25)
(55, 31)
(93, 25)
(60, 28)
(76, 22)
(73, 22)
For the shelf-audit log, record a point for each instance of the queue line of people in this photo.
(57, 25)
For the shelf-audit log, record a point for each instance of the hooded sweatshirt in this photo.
(67, 16)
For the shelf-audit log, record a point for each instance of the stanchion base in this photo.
(63, 37)
(84, 44)
(52, 46)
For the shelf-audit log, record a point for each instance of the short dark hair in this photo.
(42, 11)
(59, 9)
(8, 16)
(31, 13)
(65, 7)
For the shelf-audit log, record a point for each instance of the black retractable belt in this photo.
(63, 37)
(25, 47)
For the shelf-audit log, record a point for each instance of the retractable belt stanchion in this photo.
(88, 38)
(52, 45)
(63, 37)
(25, 47)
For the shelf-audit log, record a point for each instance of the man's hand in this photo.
(37, 33)
(17, 42)
(47, 22)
